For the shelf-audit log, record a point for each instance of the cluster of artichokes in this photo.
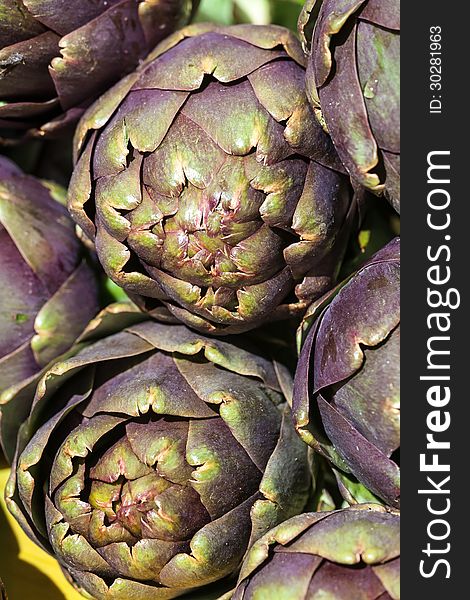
(230, 427)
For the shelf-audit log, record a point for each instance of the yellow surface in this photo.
(27, 571)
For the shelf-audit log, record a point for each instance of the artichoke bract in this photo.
(57, 56)
(48, 293)
(349, 554)
(346, 390)
(353, 79)
(153, 458)
(207, 182)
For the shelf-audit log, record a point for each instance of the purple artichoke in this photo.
(154, 457)
(353, 82)
(349, 554)
(207, 183)
(346, 392)
(48, 293)
(57, 56)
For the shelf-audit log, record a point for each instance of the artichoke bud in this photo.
(238, 196)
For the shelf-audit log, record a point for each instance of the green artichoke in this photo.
(154, 457)
(349, 554)
(208, 184)
(347, 385)
(57, 56)
(353, 79)
(48, 293)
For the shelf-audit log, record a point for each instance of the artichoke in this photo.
(48, 293)
(208, 184)
(353, 78)
(349, 554)
(153, 458)
(57, 56)
(346, 391)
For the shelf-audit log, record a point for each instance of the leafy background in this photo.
(27, 571)
(262, 12)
